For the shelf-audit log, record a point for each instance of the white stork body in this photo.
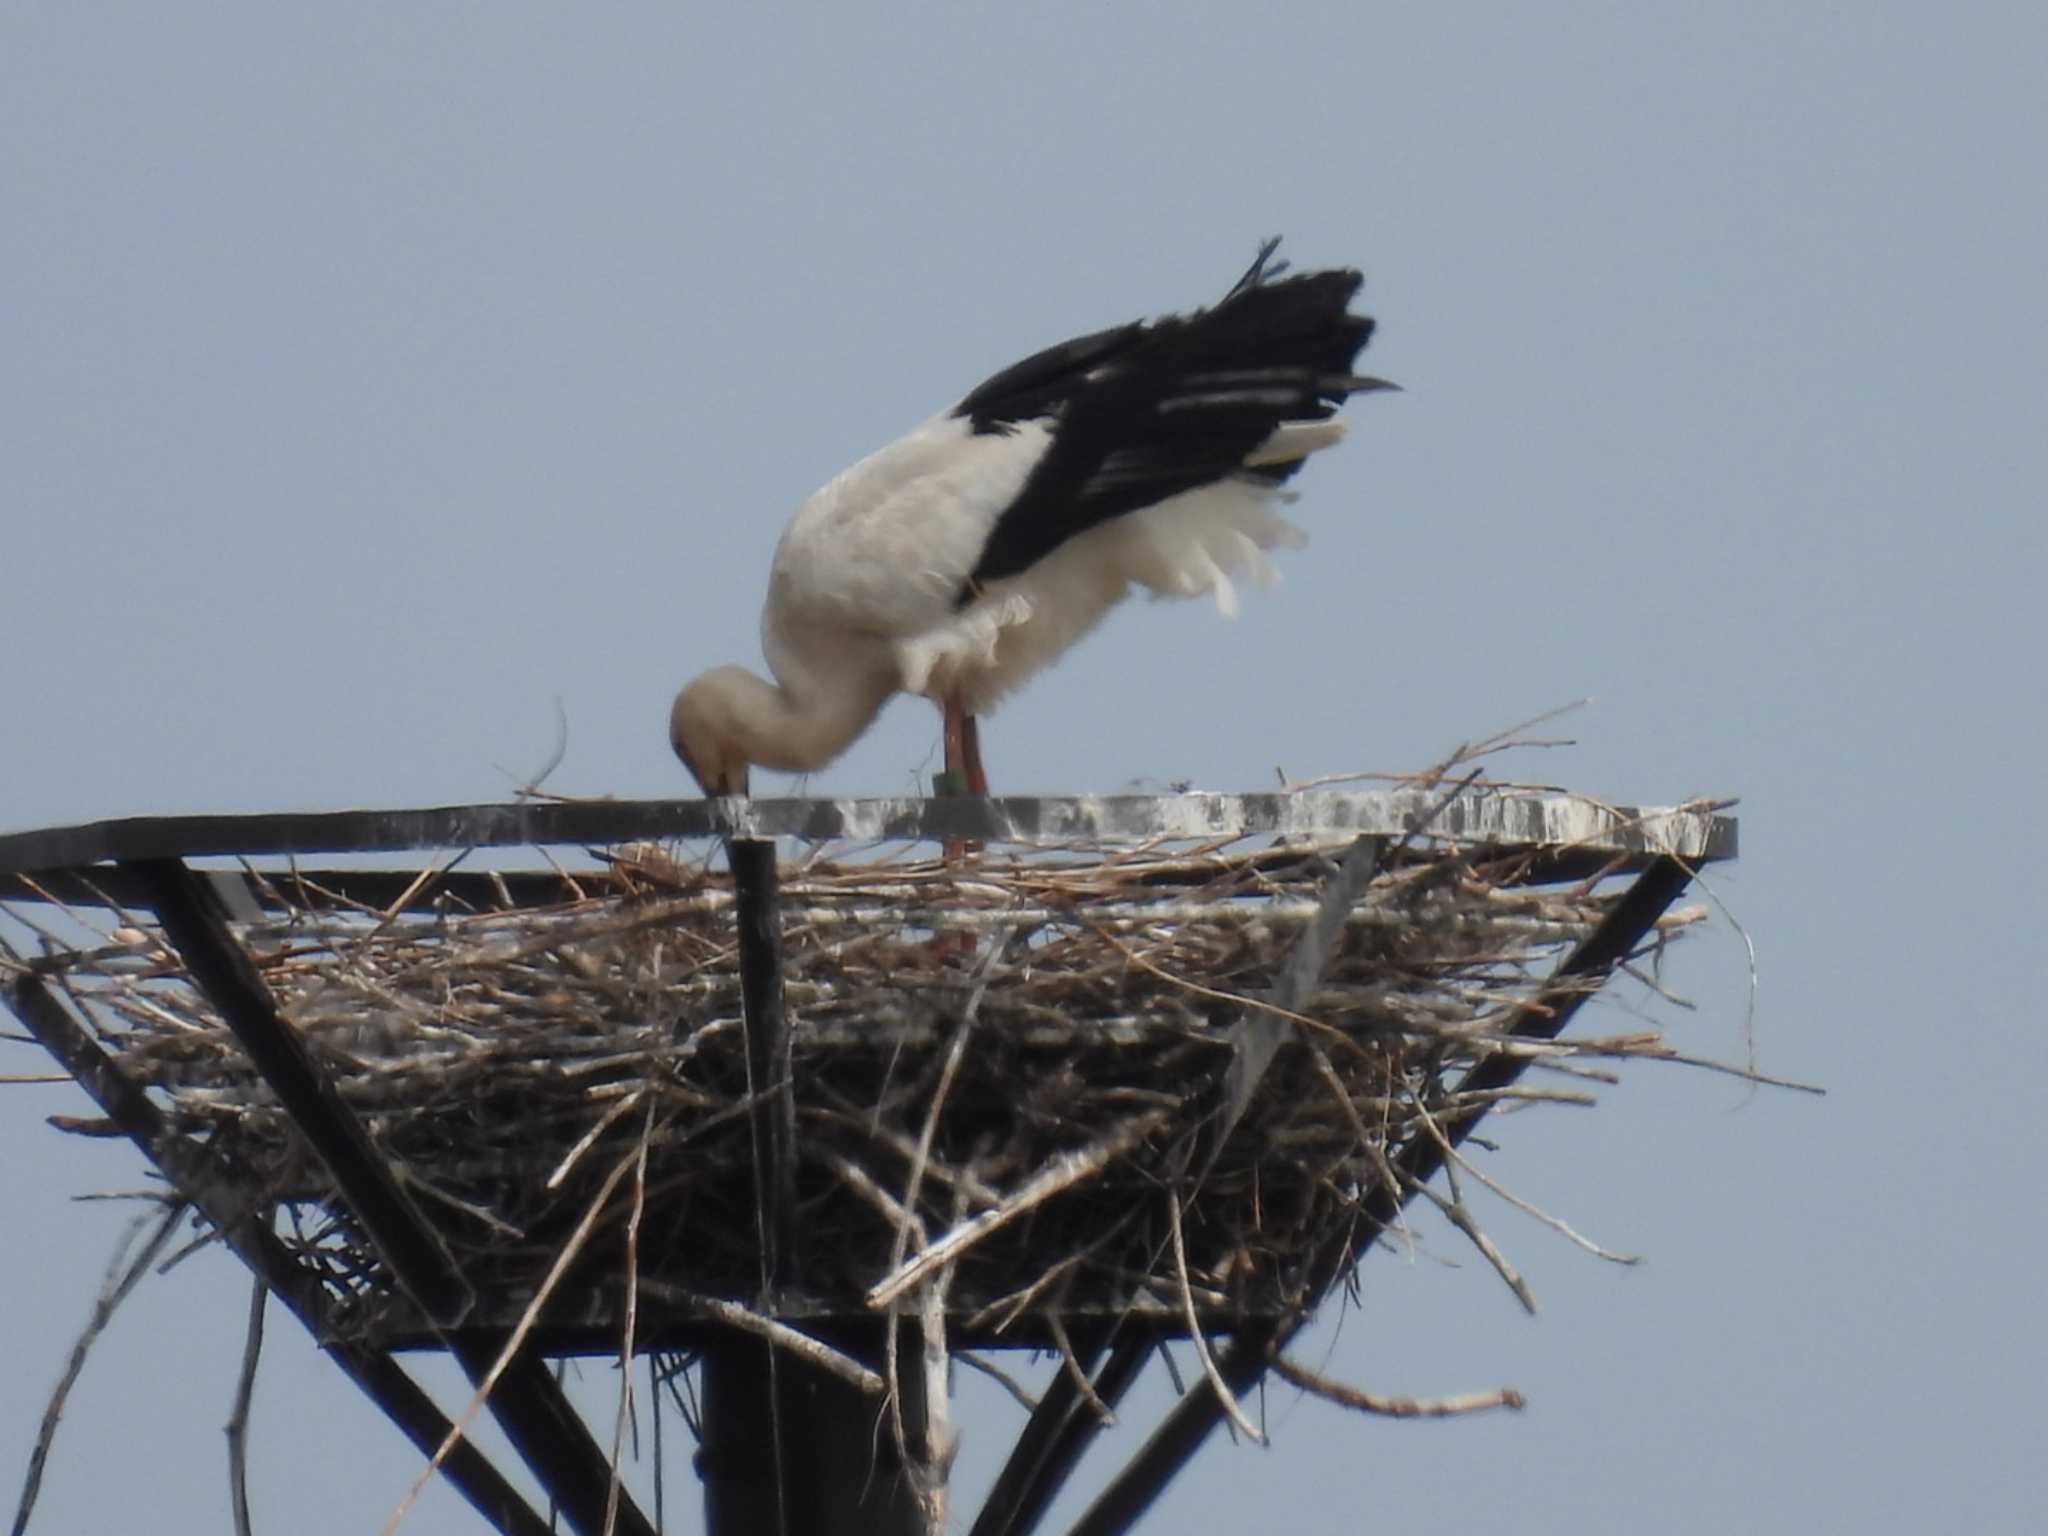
(959, 560)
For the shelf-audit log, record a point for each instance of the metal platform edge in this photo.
(1491, 816)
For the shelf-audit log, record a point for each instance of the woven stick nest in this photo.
(1008, 1075)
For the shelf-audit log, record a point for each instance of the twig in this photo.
(976, 1361)
(1062, 1173)
(531, 789)
(114, 1290)
(1224, 1396)
(1461, 1218)
(781, 1335)
(590, 1137)
(1499, 741)
(1528, 1208)
(863, 1184)
(935, 1457)
(237, 1428)
(932, 1301)
(660, 1455)
(639, 1207)
(999, 1314)
(1071, 1364)
(1297, 1374)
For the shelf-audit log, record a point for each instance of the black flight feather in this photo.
(1145, 411)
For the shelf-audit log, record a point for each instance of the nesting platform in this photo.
(1165, 1062)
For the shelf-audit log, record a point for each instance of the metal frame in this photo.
(1538, 821)
(762, 1436)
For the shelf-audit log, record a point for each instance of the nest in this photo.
(1010, 1078)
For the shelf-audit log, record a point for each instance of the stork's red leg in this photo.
(970, 750)
(963, 768)
(954, 734)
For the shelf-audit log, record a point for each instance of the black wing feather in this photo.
(1145, 411)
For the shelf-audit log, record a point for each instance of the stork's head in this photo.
(704, 728)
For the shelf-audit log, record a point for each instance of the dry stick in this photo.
(1461, 1218)
(1749, 951)
(912, 1188)
(862, 1183)
(806, 1348)
(238, 1420)
(1224, 1395)
(1235, 999)
(1071, 1364)
(112, 1293)
(660, 1485)
(1577, 1098)
(957, 1051)
(408, 1179)
(886, 1136)
(1653, 1052)
(590, 1137)
(1526, 1207)
(1007, 1308)
(1393, 1407)
(611, 1507)
(426, 877)
(937, 1453)
(1002, 1378)
(1062, 1173)
(1327, 1072)
(1499, 741)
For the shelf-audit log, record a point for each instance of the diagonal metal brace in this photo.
(1056, 1436)
(1132, 1491)
(528, 1403)
(188, 908)
(196, 1172)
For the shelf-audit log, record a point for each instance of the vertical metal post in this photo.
(789, 1450)
(756, 891)
(744, 1463)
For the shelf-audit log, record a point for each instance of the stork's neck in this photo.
(801, 728)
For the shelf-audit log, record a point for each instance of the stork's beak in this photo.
(713, 787)
(1358, 384)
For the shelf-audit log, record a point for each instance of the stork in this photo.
(972, 552)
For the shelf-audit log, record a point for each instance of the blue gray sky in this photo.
(372, 381)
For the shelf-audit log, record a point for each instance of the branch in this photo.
(1393, 1407)
(237, 1427)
